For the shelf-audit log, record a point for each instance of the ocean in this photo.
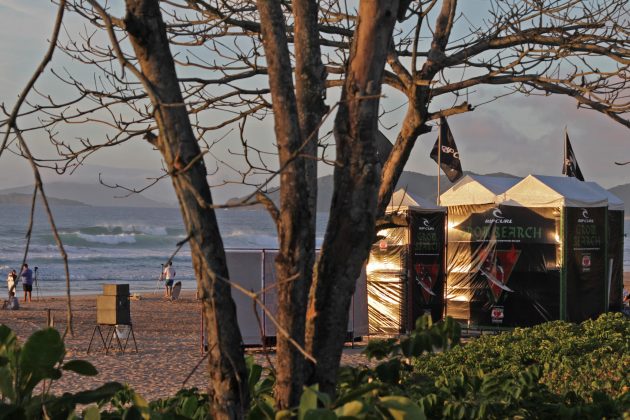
(127, 245)
(117, 245)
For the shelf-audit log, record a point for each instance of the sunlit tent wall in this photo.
(469, 297)
(539, 253)
(615, 247)
(405, 271)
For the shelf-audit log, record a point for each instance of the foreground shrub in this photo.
(40, 359)
(590, 357)
(554, 370)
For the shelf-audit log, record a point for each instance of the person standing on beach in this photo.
(27, 281)
(168, 275)
(11, 281)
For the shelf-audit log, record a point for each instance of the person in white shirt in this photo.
(11, 281)
(168, 275)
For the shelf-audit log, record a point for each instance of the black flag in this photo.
(571, 167)
(449, 158)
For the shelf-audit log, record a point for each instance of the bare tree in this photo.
(215, 65)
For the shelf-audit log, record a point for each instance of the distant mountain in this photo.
(96, 195)
(26, 199)
(419, 184)
(623, 192)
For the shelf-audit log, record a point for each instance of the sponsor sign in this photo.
(497, 314)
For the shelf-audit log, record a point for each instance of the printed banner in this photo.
(586, 265)
(502, 266)
(427, 265)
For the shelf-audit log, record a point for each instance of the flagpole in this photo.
(439, 162)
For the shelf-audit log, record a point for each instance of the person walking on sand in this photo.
(27, 281)
(168, 275)
(12, 281)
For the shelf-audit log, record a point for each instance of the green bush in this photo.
(554, 370)
(40, 359)
(590, 357)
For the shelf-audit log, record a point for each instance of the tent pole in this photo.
(563, 267)
(439, 162)
(608, 262)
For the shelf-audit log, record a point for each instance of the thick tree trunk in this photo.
(228, 379)
(356, 180)
(295, 120)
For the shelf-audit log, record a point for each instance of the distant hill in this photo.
(422, 185)
(26, 199)
(96, 195)
(419, 184)
(623, 192)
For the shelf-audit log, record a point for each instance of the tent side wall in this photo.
(405, 272)
(387, 277)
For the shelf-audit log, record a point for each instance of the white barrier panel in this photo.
(255, 270)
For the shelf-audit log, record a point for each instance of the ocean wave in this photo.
(122, 238)
(120, 229)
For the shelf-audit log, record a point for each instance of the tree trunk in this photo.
(294, 121)
(350, 228)
(228, 389)
(419, 96)
(395, 164)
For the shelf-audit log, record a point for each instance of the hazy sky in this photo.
(517, 134)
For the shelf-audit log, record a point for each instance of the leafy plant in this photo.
(22, 368)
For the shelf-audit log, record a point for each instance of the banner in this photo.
(449, 157)
(571, 167)
(427, 266)
(587, 260)
(502, 265)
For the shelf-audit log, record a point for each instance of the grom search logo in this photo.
(498, 217)
(586, 218)
(425, 225)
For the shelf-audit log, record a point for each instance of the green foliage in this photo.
(22, 368)
(555, 369)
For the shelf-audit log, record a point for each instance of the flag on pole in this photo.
(571, 167)
(448, 159)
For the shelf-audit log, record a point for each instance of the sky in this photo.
(518, 135)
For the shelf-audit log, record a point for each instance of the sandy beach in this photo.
(167, 334)
(168, 340)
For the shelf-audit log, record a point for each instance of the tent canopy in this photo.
(404, 200)
(614, 203)
(553, 191)
(477, 189)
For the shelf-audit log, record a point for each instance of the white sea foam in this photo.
(123, 238)
(150, 230)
